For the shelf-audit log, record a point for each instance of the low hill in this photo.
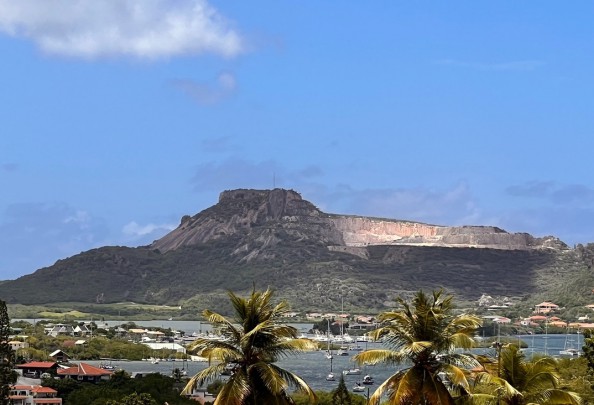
(315, 260)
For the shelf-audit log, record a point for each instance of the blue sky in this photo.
(119, 117)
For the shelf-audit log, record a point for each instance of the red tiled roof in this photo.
(38, 364)
(84, 369)
(20, 387)
(46, 390)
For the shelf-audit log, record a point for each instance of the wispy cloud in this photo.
(237, 172)
(9, 167)
(536, 189)
(220, 144)
(37, 232)
(449, 206)
(571, 224)
(138, 28)
(560, 194)
(136, 230)
(520, 65)
(208, 93)
(567, 214)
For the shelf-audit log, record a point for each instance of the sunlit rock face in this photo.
(269, 215)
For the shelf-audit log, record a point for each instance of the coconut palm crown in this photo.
(423, 334)
(252, 343)
(517, 381)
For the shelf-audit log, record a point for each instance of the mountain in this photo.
(313, 259)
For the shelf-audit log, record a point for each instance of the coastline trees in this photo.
(341, 395)
(7, 356)
(253, 342)
(513, 380)
(423, 333)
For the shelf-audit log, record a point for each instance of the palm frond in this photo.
(287, 378)
(235, 390)
(506, 389)
(417, 347)
(456, 376)
(465, 360)
(208, 374)
(269, 375)
(221, 354)
(434, 390)
(409, 388)
(294, 346)
(386, 386)
(557, 397)
(375, 356)
(476, 399)
(200, 345)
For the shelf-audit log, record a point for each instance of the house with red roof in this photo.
(33, 395)
(85, 373)
(545, 307)
(34, 369)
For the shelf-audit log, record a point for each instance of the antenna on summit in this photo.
(273, 180)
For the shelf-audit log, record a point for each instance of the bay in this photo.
(313, 367)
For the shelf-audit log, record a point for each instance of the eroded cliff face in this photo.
(364, 231)
(263, 216)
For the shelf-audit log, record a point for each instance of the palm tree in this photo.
(424, 334)
(252, 344)
(517, 381)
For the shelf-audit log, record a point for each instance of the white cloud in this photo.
(136, 230)
(139, 28)
(80, 217)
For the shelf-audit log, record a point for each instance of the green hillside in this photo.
(274, 238)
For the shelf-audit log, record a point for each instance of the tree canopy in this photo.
(425, 334)
(253, 341)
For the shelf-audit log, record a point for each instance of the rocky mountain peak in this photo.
(238, 213)
(268, 216)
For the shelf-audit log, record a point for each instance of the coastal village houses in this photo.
(85, 373)
(545, 308)
(33, 395)
(35, 369)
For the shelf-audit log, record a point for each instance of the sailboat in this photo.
(330, 376)
(328, 351)
(358, 388)
(569, 349)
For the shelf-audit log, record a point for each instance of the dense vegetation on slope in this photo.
(306, 274)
